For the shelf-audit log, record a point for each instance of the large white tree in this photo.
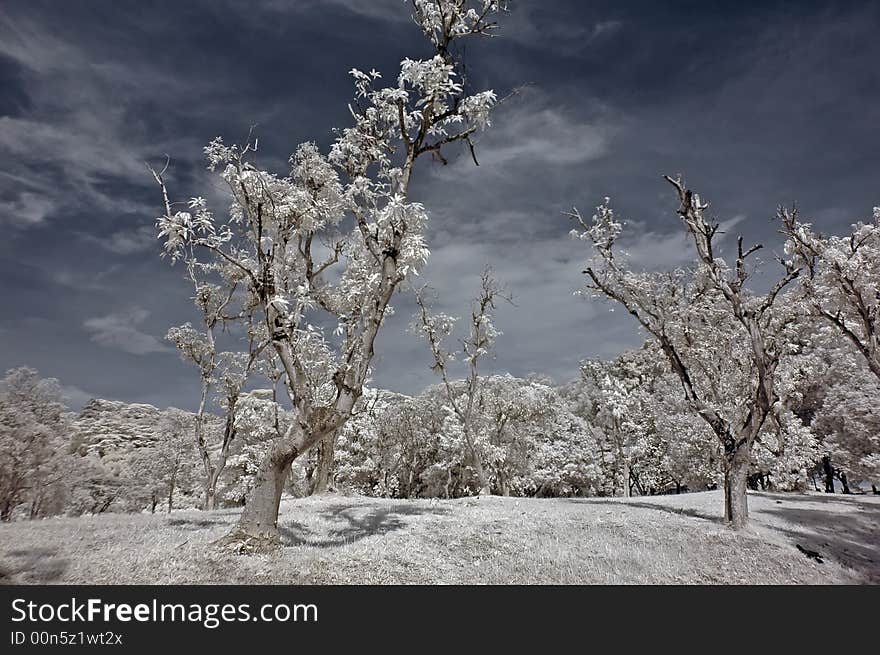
(329, 243)
(722, 339)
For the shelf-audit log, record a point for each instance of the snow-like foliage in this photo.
(328, 242)
(33, 442)
(843, 284)
(530, 443)
(723, 340)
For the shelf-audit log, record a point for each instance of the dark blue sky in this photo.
(757, 104)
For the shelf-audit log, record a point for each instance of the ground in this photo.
(492, 540)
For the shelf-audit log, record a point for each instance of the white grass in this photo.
(338, 539)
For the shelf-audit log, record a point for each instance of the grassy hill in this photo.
(338, 539)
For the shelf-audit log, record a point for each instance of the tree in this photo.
(166, 465)
(478, 343)
(700, 321)
(402, 447)
(227, 370)
(843, 282)
(621, 411)
(259, 421)
(33, 433)
(387, 445)
(285, 241)
(849, 420)
(534, 444)
(653, 442)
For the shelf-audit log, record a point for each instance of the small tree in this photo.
(700, 322)
(225, 372)
(478, 343)
(652, 440)
(285, 241)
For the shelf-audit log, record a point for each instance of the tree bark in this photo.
(323, 473)
(257, 528)
(171, 491)
(502, 483)
(211, 497)
(736, 476)
(481, 475)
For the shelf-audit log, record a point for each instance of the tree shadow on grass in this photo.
(38, 565)
(676, 511)
(796, 497)
(195, 524)
(852, 539)
(350, 523)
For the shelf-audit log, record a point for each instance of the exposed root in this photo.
(239, 542)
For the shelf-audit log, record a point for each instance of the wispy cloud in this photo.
(77, 140)
(537, 136)
(90, 90)
(119, 331)
(27, 210)
(387, 10)
(128, 241)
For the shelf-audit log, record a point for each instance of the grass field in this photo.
(337, 539)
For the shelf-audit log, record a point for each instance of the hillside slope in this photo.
(337, 539)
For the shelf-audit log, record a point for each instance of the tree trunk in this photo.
(257, 528)
(481, 475)
(502, 483)
(736, 476)
(171, 492)
(829, 474)
(323, 473)
(627, 490)
(211, 497)
(213, 473)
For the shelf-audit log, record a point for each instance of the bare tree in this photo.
(476, 345)
(694, 320)
(225, 372)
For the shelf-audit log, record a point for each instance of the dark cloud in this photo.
(759, 104)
